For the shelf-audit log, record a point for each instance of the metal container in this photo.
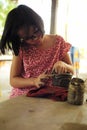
(61, 80)
(76, 91)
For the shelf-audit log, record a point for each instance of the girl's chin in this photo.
(37, 42)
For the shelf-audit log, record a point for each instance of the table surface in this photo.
(26, 113)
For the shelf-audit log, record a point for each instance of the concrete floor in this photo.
(5, 87)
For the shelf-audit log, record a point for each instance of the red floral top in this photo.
(36, 61)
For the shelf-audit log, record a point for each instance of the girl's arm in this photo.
(67, 59)
(64, 66)
(15, 76)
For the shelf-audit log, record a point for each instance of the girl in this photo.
(35, 54)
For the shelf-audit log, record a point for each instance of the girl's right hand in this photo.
(40, 80)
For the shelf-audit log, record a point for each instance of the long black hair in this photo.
(18, 17)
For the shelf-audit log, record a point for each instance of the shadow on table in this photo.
(73, 126)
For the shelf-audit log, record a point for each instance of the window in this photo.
(72, 25)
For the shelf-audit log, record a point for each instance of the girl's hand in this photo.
(40, 80)
(62, 67)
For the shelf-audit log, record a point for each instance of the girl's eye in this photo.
(33, 37)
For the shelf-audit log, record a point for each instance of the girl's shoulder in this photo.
(55, 37)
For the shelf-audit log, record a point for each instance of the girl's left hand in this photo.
(60, 67)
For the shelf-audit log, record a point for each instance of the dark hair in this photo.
(17, 18)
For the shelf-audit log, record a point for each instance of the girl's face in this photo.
(33, 36)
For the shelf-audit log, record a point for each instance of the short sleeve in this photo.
(64, 47)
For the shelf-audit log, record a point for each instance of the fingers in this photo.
(60, 70)
(44, 76)
(60, 67)
(40, 84)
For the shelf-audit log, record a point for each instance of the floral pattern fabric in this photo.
(36, 61)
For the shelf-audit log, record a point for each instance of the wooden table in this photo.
(25, 113)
